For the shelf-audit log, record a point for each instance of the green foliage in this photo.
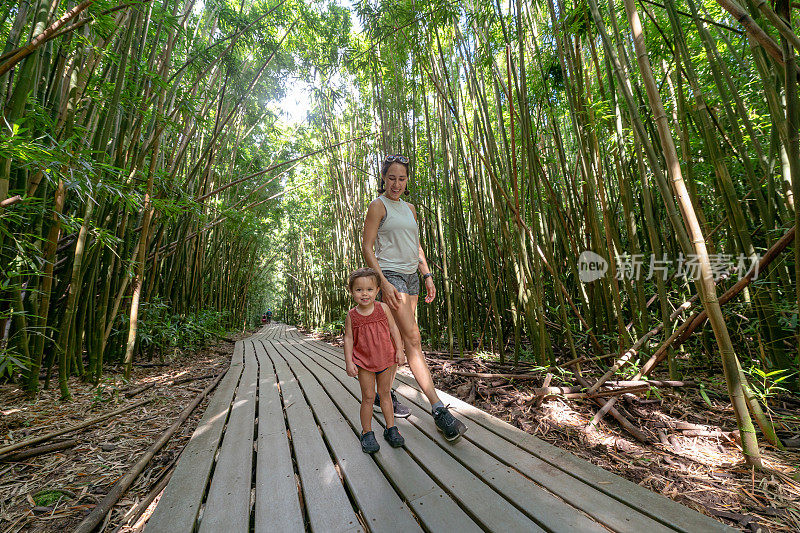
(579, 21)
(767, 384)
(106, 391)
(165, 332)
(11, 363)
(332, 328)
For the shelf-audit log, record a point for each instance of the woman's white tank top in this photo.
(397, 244)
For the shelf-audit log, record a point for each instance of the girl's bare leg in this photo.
(366, 381)
(385, 379)
(409, 330)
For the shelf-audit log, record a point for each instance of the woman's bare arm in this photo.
(430, 287)
(375, 213)
(396, 337)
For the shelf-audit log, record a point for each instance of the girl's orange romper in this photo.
(373, 348)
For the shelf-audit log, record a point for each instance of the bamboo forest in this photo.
(605, 192)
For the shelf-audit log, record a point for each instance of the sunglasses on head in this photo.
(399, 158)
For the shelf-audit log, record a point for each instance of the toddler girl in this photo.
(371, 356)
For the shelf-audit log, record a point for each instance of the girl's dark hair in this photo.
(365, 272)
(384, 169)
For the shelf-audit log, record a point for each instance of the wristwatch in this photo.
(428, 275)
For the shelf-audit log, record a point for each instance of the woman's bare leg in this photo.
(407, 323)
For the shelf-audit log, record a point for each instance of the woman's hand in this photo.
(430, 290)
(390, 295)
(352, 371)
(400, 357)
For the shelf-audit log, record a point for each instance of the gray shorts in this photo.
(407, 283)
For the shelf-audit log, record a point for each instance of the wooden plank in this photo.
(486, 506)
(277, 506)
(179, 505)
(655, 506)
(228, 503)
(554, 515)
(326, 501)
(661, 509)
(287, 332)
(433, 506)
(541, 504)
(380, 505)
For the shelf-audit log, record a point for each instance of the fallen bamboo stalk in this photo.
(190, 378)
(40, 450)
(664, 440)
(625, 386)
(678, 424)
(604, 393)
(607, 405)
(37, 440)
(575, 361)
(593, 358)
(434, 355)
(578, 392)
(102, 509)
(144, 505)
(652, 383)
(138, 390)
(132, 516)
(134, 392)
(705, 433)
(554, 391)
(540, 399)
(485, 375)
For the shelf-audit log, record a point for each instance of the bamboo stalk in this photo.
(99, 512)
(36, 440)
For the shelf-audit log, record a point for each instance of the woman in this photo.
(390, 245)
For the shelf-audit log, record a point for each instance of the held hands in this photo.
(400, 357)
(351, 369)
(430, 290)
(390, 295)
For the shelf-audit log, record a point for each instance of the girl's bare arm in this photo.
(348, 347)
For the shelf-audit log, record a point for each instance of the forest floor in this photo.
(706, 473)
(55, 491)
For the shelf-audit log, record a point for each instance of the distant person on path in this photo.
(390, 245)
(269, 316)
(372, 350)
(264, 319)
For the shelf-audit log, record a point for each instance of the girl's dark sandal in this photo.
(368, 442)
(393, 437)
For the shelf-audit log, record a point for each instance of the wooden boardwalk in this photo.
(277, 450)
